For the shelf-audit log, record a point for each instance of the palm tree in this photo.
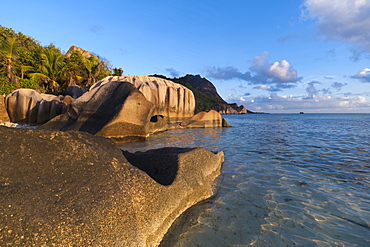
(93, 67)
(74, 68)
(51, 70)
(24, 69)
(9, 52)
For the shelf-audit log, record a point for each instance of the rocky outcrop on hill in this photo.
(75, 189)
(205, 119)
(173, 101)
(229, 109)
(26, 106)
(239, 109)
(4, 118)
(82, 51)
(116, 110)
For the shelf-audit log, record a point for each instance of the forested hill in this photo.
(24, 62)
(206, 95)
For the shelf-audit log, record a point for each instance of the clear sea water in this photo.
(287, 180)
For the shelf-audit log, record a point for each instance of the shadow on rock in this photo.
(161, 164)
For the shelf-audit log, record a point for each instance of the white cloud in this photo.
(289, 103)
(241, 99)
(364, 72)
(260, 63)
(263, 87)
(280, 74)
(343, 20)
(311, 89)
(363, 75)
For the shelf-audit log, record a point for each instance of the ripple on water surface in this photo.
(287, 180)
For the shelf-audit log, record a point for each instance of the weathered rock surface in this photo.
(172, 100)
(205, 120)
(241, 109)
(26, 106)
(229, 109)
(116, 110)
(205, 90)
(75, 189)
(82, 51)
(74, 91)
(3, 113)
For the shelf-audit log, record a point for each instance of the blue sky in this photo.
(272, 56)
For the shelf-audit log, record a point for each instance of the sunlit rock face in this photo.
(27, 106)
(172, 100)
(115, 110)
(82, 51)
(3, 113)
(204, 119)
(229, 109)
(75, 189)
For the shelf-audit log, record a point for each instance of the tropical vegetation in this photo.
(25, 63)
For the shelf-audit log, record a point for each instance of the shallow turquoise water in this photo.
(288, 180)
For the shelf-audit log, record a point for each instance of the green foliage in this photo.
(25, 63)
(27, 83)
(117, 71)
(5, 87)
(8, 54)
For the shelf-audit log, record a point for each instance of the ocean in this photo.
(287, 180)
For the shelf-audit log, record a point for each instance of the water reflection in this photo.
(287, 180)
(198, 137)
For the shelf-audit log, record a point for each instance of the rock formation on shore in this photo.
(205, 119)
(207, 97)
(127, 108)
(75, 189)
(4, 117)
(26, 106)
(74, 91)
(229, 109)
(115, 110)
(173, 101)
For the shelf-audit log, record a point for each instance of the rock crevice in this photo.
(172, 100)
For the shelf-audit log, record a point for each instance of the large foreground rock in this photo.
(75, 189)
(173, 100)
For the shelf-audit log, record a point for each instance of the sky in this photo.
(283, 56)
